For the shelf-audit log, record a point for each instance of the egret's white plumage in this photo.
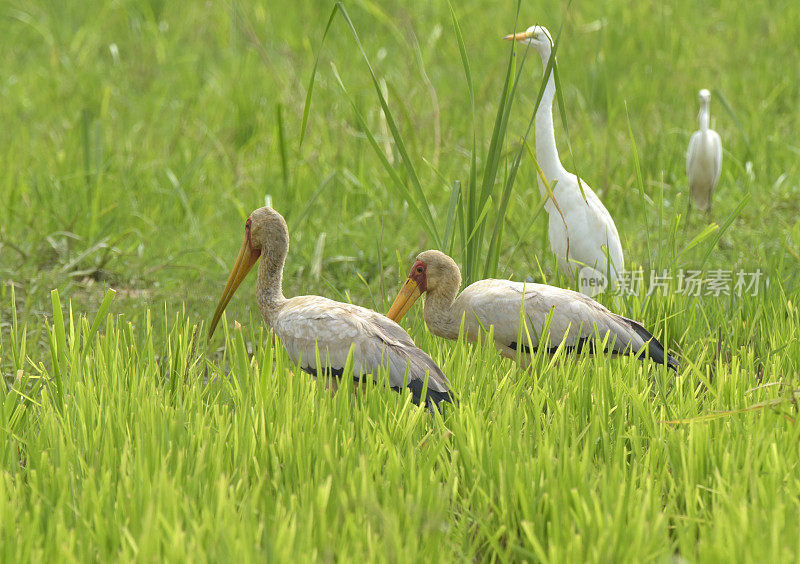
(314, 328)
(581, 231)
(704, 157)
(575, 319)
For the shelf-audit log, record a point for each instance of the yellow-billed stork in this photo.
(313, 327)
(575, 319)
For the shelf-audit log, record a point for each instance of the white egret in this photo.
(704, 158)
(581, 231)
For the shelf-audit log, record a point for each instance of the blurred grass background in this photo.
(137, 136)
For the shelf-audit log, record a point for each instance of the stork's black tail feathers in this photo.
(432, 397)
(655, 350)
(421, 365)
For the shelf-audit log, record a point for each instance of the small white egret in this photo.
(581, 231)
(704, 158)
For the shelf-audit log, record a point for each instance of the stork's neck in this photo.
(439, 314)
(269, 290)
(704, 116)
(546, 150)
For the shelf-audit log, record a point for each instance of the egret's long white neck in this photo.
(546, 150)
(704, 115)
(269, 286)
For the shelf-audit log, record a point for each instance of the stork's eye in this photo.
(419, 269)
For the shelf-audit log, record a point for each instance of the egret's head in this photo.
(705, 96)
(536, 36)
(433, 272)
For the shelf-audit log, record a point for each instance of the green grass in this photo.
(137, 136)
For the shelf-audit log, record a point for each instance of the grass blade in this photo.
(102, 311)
(726, 224)
(310, 90)
(398, 182)
(282, 144)
(639, 183)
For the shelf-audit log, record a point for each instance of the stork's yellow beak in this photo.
(408, 294)
(521, 36)
(244, 263)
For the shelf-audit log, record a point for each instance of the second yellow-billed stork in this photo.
(575, 320)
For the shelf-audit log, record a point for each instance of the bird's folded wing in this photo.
(308, 324)
(573, 315)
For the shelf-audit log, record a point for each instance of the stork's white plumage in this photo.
(575, 319)
(582, 233)
(704, 157)
(312, 327)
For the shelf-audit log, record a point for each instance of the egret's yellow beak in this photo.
(521, 36)
(244, 263)
(408, 294)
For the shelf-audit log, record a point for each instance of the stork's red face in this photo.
(415, 285)
(248, 256)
